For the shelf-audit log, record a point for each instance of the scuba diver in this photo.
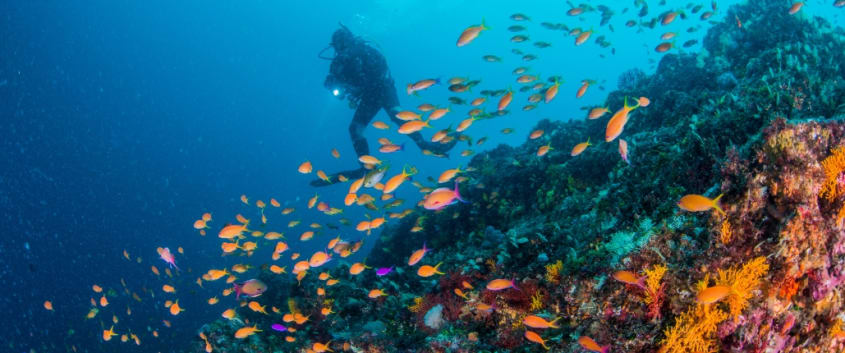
(359, 73)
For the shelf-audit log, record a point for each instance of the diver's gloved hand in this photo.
(333, 179)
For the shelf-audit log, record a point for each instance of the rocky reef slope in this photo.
(756, 116)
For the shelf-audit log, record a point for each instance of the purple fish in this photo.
(279, 327)
(384, 271)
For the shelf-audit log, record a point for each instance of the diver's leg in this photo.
(363, 115)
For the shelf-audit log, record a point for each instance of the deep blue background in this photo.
(123, 121)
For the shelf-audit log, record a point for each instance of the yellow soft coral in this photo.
(743, 282)
(653, 278)
(726, 234)
(833, 165)
(418, 302)
(553, 272)
(536, 301)
(694, 331)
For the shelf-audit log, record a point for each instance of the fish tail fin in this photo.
(716, 205)
(552, 323)
(237, 291)
(588, 141)
(458, 193)
(513, 284)
(484, 25)
(605, 349)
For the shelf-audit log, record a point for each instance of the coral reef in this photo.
(758, 125)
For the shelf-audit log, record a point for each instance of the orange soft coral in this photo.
(694, 331)
(833, 165)
(743, 282)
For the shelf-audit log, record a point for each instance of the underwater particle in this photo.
(434, 317)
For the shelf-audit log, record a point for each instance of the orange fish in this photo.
(580, 148)
(535, 321)
(699, 203)
(305, 167)
(617, 122)
(367, 159)
(544, 149)
(421, 85)
(796, 6)
(505, 100)
(175, 309)
(597, 112)
(413, 126)
(103, 301)
(48, 305)
(469, 34)
(319, 259)
(534, 337)
(417, 255)
(244, 199)
(713, 294)
(629, 278)
(438, 113)
(501, 284)
(664, 47)
(168, 288)
(108, 334)
(623, 150)
(668, 18)
(667, 36)
(583, 89)
(583, 37)
(246, 331)
(96, 288)
(375, 293)
(428, 271)
(643, 101)
(536, 134)
(357, 268)
(257, 307)
(397, 180)
(591, 345)
(551, 92)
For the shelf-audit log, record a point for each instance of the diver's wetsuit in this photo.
(360, 74)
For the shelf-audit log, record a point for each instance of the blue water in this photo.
(124, 121)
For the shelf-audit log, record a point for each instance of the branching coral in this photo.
(743, 282)
(654, 289)
(415, 308)
(833, 165)
(725, 233)
(536, 301)
(694, 331)
(553, 272)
